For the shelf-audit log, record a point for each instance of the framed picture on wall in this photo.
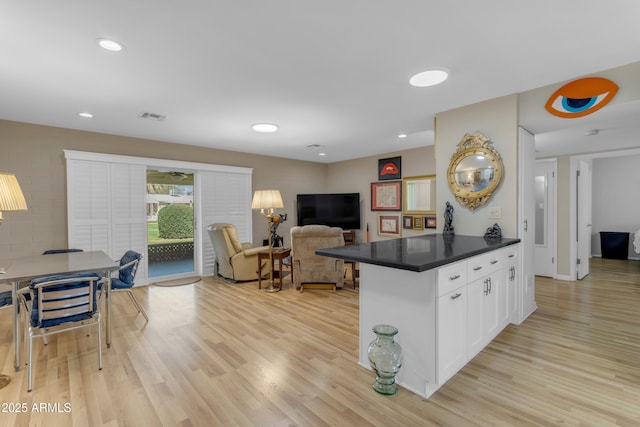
(389, 169)
(386, 196)
(429, 222)
(389, 225)
(407, 222)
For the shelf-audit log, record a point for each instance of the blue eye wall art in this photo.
(581, 97)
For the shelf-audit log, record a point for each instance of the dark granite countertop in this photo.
(417, 253)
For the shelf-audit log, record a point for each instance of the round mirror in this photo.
(475, 171)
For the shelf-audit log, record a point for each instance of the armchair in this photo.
(313, 270)
(236, 261)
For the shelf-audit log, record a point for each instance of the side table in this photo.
(278, 254)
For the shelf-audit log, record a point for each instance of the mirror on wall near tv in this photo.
(419, 195)
(335, 210)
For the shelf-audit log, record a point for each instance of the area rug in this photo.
(179, 282)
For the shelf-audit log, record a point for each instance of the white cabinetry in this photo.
(444, 316)
(485, 284)
(474, 304)
(513, 290)
(452, 320)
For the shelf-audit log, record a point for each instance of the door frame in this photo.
(552, 213)
(573, 197)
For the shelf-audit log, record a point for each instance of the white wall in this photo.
(616, 198)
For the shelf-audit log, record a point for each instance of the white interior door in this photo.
(526, 224)
(583, 182)
(545, 236)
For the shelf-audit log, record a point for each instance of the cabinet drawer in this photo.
(510, 253)
(485, 264)
(451, 277)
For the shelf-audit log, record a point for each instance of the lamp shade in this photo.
(11, 198)
(267, 199)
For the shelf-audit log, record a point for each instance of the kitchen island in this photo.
(449, 296)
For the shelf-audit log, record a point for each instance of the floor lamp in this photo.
(268, 201)
(11, 199)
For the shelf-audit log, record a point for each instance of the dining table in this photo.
(37, 266)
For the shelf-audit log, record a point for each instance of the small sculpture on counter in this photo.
(448, 220)
(494, 232)
(277, 240)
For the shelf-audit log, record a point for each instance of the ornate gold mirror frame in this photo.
(475, 171)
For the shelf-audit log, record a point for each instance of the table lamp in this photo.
(11, 199)
(268, 201)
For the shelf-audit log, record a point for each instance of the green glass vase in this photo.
(385, 358)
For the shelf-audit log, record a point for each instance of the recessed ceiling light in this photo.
(86, 115)
(431, 77)
(265, 127)
(111, 45)
(402, 135)
(322, 154)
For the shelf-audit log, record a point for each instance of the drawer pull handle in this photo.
(456, 296)
(457, 276)
(495, 261)
(478, 268)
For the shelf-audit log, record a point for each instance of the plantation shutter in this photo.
(106, 196)
(106, 209)
(225, 197)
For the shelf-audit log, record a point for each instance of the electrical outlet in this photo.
(495, 213)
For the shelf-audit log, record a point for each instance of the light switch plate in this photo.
(495, 213)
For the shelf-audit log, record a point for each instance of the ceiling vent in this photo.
(153, 116)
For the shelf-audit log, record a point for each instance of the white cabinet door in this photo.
(482, 321)
(504, 300)
(513, 289)
(490, 310)
(475, 323)
(452, 333)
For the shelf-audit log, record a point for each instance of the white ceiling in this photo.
(332, 73)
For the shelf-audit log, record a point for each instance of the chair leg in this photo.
(29, 361)
(137, 304)
(99, 343)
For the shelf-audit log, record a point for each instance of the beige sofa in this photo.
(236, 261)
(309, 269)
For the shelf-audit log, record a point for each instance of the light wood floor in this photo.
(218, 354)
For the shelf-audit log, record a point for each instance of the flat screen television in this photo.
(335, 210)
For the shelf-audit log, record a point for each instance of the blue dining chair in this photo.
(5, 298)
(126, 275)
(58, 304)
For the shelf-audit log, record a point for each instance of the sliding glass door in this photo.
(170, 220)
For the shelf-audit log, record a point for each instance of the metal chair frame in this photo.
(129, 292)
(60, 304)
